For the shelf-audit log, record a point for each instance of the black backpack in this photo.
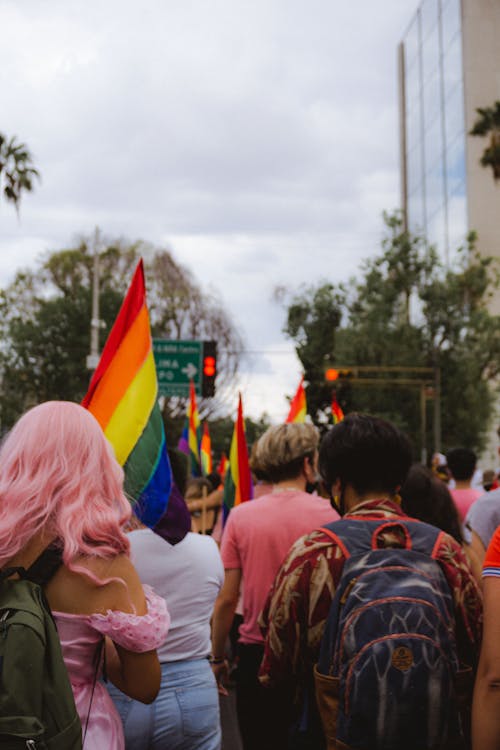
(388, 672)
(37, 707)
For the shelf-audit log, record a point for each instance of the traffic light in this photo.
(209, 369)
(332, 374)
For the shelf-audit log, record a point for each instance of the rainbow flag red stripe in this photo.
(122, 395)
(238, 487)
(222, 466)
(298, 406)
(337, 413)
(206, 451)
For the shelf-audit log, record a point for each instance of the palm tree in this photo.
(16, 169)
(488, 123)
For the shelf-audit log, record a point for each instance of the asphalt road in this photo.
(230, 735)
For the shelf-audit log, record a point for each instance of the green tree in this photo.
(406, 310)
(488, 124)
(45, 322)
(17, 172)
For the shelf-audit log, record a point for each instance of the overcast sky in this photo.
(257, 140)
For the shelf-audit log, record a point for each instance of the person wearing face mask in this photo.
(256, 539)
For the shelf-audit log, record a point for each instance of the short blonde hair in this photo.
(279, 453)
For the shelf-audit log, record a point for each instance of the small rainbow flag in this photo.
(298, 407)
(194, 433)
(337, 413)
(238, 487)
(222, 466)
(122, 396)
(206, 451)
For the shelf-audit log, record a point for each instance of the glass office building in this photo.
(449, 66)
(433, 124)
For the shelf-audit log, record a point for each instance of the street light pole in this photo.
(95, 323)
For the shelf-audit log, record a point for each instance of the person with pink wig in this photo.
(62, 488)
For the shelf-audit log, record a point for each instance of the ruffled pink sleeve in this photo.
(136, 632)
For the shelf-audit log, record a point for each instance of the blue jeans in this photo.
(184, 716)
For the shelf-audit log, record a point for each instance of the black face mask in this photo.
(312, 487)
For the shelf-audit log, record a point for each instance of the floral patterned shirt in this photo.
(294, 616)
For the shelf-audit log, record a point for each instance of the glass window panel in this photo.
(430, 55)
(414, 169)
(412, 80)
(432, 101)
(411, 42)
(416, 212)
(429, 16)
(452, 66)
(451, 20)
(454, 116)
(433, 145)
(457, 223)
(436, 230)
(413, 130)
(434, 190)
(413, 108)
(455, 167)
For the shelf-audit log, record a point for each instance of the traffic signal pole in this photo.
(427, 380)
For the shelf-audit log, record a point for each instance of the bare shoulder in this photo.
(97, 585)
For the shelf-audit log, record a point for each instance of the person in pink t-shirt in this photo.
(462, 465)
(256, 539)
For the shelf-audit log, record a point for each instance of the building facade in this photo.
(449, 65)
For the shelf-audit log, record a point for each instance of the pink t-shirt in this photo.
(257, 537)
(464, 498)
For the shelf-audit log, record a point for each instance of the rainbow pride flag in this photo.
(122, 396)
(238, 487)
(298, 406)
(194, 433)
(206, 451)
(222, 466)
(337, 413)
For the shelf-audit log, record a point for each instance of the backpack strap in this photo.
(46, 565)
(355, 536)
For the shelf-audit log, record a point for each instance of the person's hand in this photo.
(221, 674)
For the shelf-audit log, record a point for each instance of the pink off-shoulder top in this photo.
(80, 637)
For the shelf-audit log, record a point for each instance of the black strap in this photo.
(100, 652)
(46, 565)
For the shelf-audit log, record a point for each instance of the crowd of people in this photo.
(352, 604)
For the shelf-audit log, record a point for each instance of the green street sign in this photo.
(178, 362)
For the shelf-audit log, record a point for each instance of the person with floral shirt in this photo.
(363, 462)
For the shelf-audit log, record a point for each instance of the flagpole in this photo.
(95, 323)
(204, 510)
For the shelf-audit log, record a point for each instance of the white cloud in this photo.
(256, 139)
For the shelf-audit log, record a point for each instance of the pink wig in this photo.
(59, 476)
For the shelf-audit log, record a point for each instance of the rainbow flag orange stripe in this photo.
(238, 487)
(122, 395)
(298, 407)
(206, 451)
